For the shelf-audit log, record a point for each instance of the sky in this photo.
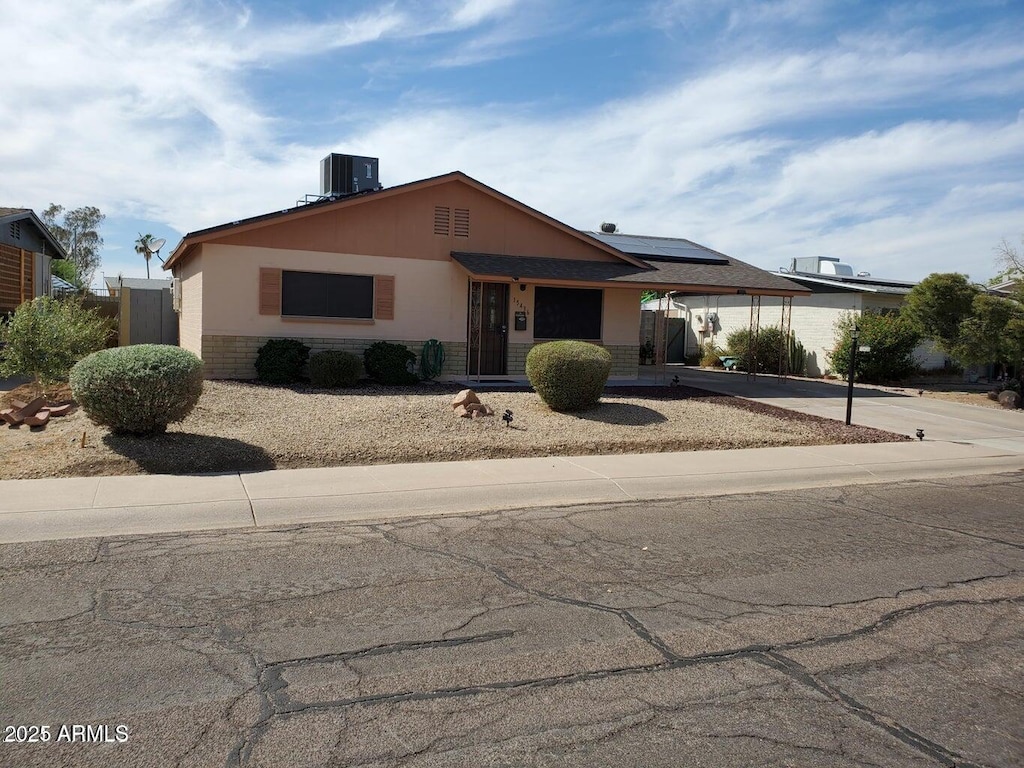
(887, 134)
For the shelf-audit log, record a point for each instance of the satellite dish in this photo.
(156, 245)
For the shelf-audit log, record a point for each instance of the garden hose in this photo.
(432, 360)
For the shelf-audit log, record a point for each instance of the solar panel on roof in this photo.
(667, 248)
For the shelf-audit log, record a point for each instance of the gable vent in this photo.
(16, 230)
(462, 222)
(441, 219)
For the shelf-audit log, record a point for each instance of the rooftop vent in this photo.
(608, 228)
(821, 265)
(347, 174)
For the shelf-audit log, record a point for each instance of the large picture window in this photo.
(320, 294)
(567, 313)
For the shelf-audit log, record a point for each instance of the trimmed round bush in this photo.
(140, 389)
(388, 363)
(568, 375)
(280, 361)
(334, 368)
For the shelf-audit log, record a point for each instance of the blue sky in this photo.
(890, 135)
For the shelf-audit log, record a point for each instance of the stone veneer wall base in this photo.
(625, 359)
(234, 357)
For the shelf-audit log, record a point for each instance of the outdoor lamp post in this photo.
(854, 339)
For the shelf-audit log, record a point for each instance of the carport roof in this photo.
(727, 275)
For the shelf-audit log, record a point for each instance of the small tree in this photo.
(994, 333)
(892, 338)
(938, 304)
(78, 232)
(65, 270)
(1011, 261)
(47, 336)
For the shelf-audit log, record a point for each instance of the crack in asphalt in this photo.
(638, 628)
(911, 738)
(272, 687)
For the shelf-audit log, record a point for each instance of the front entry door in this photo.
(488, 329)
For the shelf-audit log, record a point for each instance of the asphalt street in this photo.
(871, 625)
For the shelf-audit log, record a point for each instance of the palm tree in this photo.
(142, 247)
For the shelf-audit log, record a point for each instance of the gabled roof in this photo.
(639, 261)
(8, 215)
(184, 248)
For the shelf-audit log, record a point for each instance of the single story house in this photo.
(834, 290)
(444, 258)
(26, 248)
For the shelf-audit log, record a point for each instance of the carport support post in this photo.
(854, 338)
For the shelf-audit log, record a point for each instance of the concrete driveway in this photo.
(892, 411)
(877, 625)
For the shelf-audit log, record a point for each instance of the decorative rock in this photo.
(8, 416)
(462, 412)
(465, 397)
(1009, 399)
(39, 419)
(61, 410)
(30, 409)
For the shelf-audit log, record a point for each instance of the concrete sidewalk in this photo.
(35, 510)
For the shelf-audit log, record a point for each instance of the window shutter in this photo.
(270, 291)
(384, 297)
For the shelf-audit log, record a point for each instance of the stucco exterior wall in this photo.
(430, 296)
(220, 319)
(190, 319)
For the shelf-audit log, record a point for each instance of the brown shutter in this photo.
(384, 297)
(270, 291)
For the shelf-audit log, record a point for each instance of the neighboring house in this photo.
(145, 310)
(445, 258)
(26, 248)
(834, 291)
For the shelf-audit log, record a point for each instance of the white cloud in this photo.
(143, 109)
(471, 12)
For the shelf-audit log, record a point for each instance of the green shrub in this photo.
(47, 336)
(280, 361)
(568, 375)
(892, 338)
(388, 363)
(139, 389)
(766, 348)
(334, 368)
(709, 355)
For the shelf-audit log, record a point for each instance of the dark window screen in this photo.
(318, 294)
(567, 313)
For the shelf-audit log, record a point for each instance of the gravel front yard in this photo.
(240, 426)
